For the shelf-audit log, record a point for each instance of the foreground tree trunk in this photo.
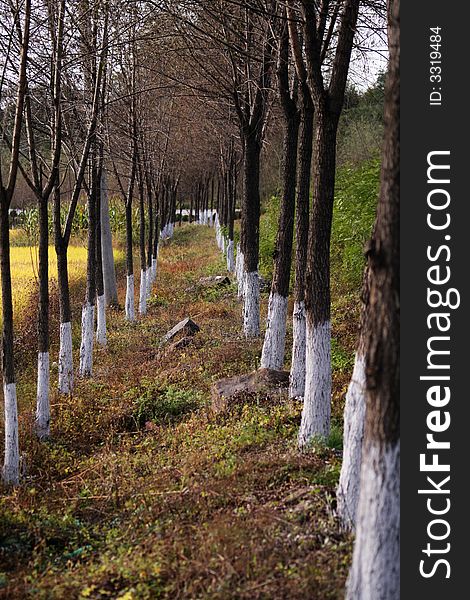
(317, 396)
(347, 494)
(88, 309)
(272, 356)
(328, 103)
(12, 456)
(100, 292)
(11, 471)
(43, 413)
(150, 270)
(143, 258)
(109, 269)
(65, 334)
(297, 371)
(375, 572)
(250, 235)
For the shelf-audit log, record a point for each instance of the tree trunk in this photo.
(65, 344)
(43, 415)
(231, 218)
(250, 235)
(100, 292)
(347, 494)
(11, 470)
(297, 372)
(375, 572)
(109, 271)
(317, 397)
(272, 356)
(150, 271)
(143, 258)
(130, 306)
(156, 238)
(88, 310)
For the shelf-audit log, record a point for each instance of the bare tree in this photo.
(272, 356)
(94, 66)
(320, 24)
(42, 187)
(375, 572)
(11, 140)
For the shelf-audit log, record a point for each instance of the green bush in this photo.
(267, 236)
(164, 406)
(354, 211)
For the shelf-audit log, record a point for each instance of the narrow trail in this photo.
(144, 493)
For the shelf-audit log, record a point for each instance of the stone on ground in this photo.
(266, 382)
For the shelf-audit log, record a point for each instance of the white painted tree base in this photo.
(86, 346)
(375, 571)
(149, 281)
(101, 332)
(230, 257)
(11, 465)
(154, 270)
(241, 275)
(297, 370)
(251, 305)
(43, 412)
(272, 356)
(237, 262)
(143, 293)
(65, 359)
(130, 301)
(316, 412)
(347, 494)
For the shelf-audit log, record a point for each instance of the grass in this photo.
(24, 269)
(142, 492)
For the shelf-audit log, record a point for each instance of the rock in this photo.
(182, 343)
(214, 281)
(263, 381)
(186, 326)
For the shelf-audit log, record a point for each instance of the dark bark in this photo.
(6, 194)
(382, 340)
(303, 195)
(317, 296)
(143, 258)
(150, 219)
(156, 234)
(43, 273)
(251, 203)
(378, 527)
(61, 247)
(129, 257)
(64, 292)
(285, 233)
(7, 302)
(99, 252)
(92, 225)
(233, 199)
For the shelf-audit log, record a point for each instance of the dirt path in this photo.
(142, 493)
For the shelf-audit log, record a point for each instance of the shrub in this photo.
(267, 236)
(354, 212)
(164, 406)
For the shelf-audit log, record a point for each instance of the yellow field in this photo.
(24, 268)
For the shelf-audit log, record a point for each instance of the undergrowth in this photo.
(144, 492)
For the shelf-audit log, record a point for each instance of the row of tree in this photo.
(309, 48)
(174, 100)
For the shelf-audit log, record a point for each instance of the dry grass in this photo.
(142, 493)
(24, 269)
